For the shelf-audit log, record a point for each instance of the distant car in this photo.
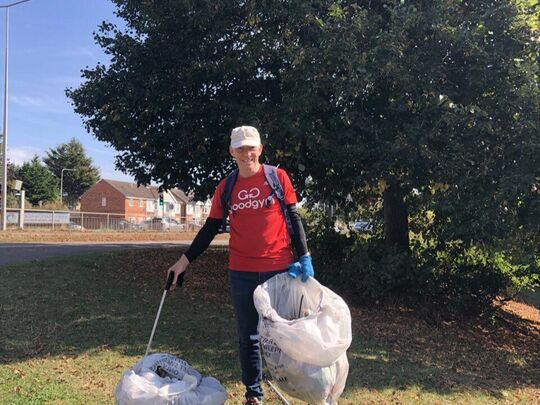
(74, 226)
(123, 224)
(174, 225)
(194, 226)
(143, 224)
(361, 226)
(161, 224)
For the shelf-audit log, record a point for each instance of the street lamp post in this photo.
(62, 181)
(5, 131)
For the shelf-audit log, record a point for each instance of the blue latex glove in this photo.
(303, 267)
(307, 267)
(295, 269)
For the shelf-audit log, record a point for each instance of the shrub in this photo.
(468, 279)
(450, 277)
(329, 249)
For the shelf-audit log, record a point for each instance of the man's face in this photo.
(247, 157)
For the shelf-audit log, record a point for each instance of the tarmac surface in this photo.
(11, 253)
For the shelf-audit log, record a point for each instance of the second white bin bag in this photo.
(305, 330)
(178, 384)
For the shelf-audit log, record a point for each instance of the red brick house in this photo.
(133, 203)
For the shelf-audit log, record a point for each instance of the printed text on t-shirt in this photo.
(249, 199)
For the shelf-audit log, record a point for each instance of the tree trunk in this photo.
(329, 211)
(396, 223)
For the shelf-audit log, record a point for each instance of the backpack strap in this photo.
(226, 198)
(270, 173)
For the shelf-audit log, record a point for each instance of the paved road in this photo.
(21, 252)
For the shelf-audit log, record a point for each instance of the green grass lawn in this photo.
(71, 326)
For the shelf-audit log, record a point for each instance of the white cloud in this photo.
(19, 155)
(92, 52)
(74, 51)
(66, 81)
(28, 101)
(103, 151)
(47, 104)
(116, 175)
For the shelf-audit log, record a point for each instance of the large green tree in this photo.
(82, 174)
(426, 104)
(39, 183)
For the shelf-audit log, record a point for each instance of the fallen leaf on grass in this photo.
(18, 373)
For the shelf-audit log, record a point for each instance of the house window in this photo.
(103, 201)
(130, 202)
(141, 203)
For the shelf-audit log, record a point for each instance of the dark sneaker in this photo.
(253, 401)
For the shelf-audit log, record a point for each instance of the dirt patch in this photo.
(95, 236)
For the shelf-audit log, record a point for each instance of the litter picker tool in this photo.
(163, 379)
(170, 279)
(267, 379)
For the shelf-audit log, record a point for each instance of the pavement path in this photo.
(21, 252)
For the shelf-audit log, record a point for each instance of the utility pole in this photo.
(5, 126)
(62, 181)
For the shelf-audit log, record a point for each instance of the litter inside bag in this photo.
(305, 330)
(161, 378)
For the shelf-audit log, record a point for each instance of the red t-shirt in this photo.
(259, 240)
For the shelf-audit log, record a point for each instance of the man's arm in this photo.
(303, 266)
(298, 238)
(201, 242)
(203, 239)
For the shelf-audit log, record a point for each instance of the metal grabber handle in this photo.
(170, 279)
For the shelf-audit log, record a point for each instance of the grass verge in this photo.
(71, 326)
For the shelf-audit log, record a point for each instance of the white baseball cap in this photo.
(245, 136)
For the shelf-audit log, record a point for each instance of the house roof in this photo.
(132, 190)
(179, 195)
(147, 192)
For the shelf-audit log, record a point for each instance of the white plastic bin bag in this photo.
(163, 379)
(305, 330)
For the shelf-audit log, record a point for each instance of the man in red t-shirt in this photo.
(259, 246)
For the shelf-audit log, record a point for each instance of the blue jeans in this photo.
(242, 285)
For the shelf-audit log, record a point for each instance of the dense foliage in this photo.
(39, 183)
(82, 174)
(422, 114)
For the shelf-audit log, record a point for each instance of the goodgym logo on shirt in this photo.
(252, 193)
(249, 199)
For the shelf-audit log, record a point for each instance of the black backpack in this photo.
(270, 174)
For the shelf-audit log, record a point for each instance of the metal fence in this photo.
(32, 219)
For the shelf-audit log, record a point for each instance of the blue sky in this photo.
(50, 41)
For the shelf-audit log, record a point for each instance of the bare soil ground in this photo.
(17, 236)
